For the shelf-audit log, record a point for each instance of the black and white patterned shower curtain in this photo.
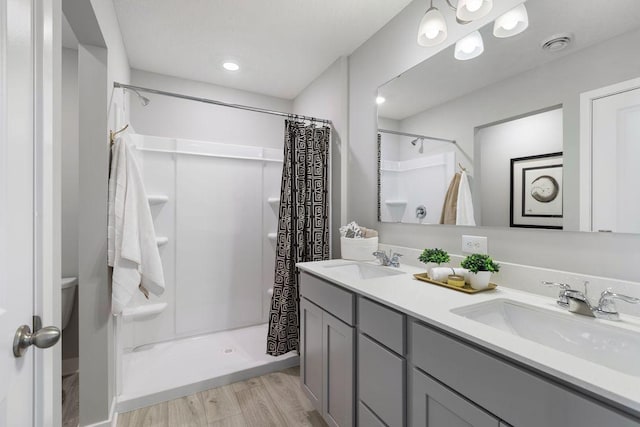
(303, 226)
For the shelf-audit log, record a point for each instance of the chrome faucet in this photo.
(578, 302)
(393, 260)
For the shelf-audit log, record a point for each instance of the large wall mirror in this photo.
(547, 131)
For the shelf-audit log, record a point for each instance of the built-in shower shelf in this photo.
(272, 236)
(157, 199)
(395, 202)
(161, 241)
(143, 312)
(274, 201)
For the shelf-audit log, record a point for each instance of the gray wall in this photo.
(495, 147)
(69, 183)
(177, 118)
(96, 326)
(388, 53)
(327, 98)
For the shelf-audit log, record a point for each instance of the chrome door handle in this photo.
(42, 338)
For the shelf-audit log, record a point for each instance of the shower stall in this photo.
(215, 212)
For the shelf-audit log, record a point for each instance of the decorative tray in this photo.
(466, 288)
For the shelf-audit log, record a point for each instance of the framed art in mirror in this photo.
(536, 191)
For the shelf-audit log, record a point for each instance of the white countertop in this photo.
(432, 304)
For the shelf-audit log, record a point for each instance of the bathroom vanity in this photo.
(379, 348)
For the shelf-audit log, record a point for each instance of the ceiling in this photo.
(280, 45)
(443, 78)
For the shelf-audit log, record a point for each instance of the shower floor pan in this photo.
(169, 370)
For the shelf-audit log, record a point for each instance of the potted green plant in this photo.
(433, 256)
(481, 266)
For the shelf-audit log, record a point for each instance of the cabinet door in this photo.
(436, 406)
(311, 366)
(338, 397)
(381, 381)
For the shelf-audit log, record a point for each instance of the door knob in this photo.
(42, 338)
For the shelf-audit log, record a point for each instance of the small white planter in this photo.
(479, 280)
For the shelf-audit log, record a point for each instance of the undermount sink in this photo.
(361, 271)
(586, 338)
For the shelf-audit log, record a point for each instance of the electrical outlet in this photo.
(474, 244)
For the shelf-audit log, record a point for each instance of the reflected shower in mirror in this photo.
(540, 148)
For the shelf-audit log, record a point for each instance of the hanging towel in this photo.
(448, 215)
(132, 248)
(464, 208)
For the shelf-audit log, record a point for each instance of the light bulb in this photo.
(231, 66)
(474, 5)
(431, 32)
(380, 99)
(470, 10)
(469, 47)
(511, 23)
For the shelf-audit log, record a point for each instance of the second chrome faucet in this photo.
(578, 302)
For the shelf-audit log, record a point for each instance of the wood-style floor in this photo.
(270, 400)
(70, 400)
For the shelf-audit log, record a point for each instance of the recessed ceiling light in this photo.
(231, 66)
(380, 100)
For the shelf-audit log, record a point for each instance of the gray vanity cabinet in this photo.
(434, 405)
(514, 394)
(327, 349)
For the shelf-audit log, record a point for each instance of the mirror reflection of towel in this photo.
(464, 207)
(450, 206)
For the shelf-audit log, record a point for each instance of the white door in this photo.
(615, 171)
(23, 40)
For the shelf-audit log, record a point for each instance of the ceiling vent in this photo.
(557, 42)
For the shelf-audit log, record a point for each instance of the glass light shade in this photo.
(432, 29)
(469, 47)
(511, 23)
(470, 10)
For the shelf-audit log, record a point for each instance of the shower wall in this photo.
(214, 207)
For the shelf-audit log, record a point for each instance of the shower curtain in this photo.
(303, 226)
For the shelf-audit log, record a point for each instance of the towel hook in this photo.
(112, 134)
(463, 169)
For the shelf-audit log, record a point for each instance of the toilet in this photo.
(68, 286)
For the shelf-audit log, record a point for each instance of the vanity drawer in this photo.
(331, 298)
(381, 381)
(516, 395)
(383, 324)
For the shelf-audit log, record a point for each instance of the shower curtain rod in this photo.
(415, 135)
(220, 103)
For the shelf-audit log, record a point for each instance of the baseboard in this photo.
(111, 421)
(126, 403)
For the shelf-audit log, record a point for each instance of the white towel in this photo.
(132, 249)
(464, 208)
(441, 274)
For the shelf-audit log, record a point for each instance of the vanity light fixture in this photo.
(231, 66)
(511, 23)
(433, 27)
(469, 47)
(380, 100)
